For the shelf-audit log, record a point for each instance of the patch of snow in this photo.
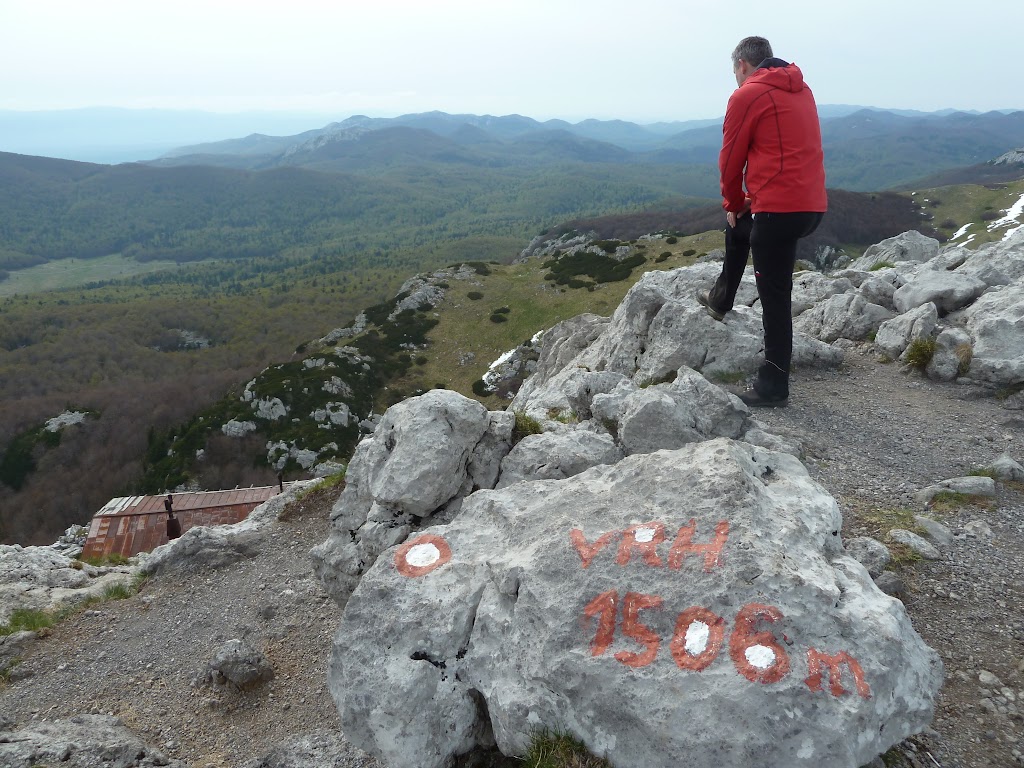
(960, 232)
(1012, 216)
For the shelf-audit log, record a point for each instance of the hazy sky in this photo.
(640, 60)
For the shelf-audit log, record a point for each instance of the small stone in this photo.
(915, 542)
(989, 680)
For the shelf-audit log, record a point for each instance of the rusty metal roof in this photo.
(183, 502)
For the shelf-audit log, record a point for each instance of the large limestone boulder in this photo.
(42, 579)
(84, 741)
(809, 288)
(996, 321)
(658, 329)
(426, 453)
(687, 410)
(910, 246)
(998, 263)
(952, 357)
(691, 607)
(842, 316)
(948, 291)
(557, 455)
(894, 336)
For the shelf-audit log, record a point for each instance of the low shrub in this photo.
(880, 265)
(920, 353)
(525, 425)
(550, 749)
(474, 295)
(497, 318)
(672, 240)
(964, 354)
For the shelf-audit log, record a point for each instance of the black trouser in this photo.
(772, 237)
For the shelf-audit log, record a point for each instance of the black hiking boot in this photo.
(704, 297)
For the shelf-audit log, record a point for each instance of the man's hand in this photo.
(731, 217)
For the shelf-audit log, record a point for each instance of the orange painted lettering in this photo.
(586, 550)
(632, 604)
(683, 546)
(603, 609)
(643, 538)
(818, 663)
(758, 656)
(715, 627)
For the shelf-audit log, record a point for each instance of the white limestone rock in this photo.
(810, 288)
(235, 428)
(83, 741)
(426, 452)
(915, 543)
(910, 246)
(997, 263)
(657, 329)
(270, 408)
(953, 353)
(878, 290)
(938, 534)
(894, 336)
(996, 322)
(842, 316)
(646, 608)
(42, 579)
(870, 553)
(689, 409)
(1006, 468)
(969, 486)
(555, 456)
(948, 291)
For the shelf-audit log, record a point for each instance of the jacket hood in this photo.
(777, 73)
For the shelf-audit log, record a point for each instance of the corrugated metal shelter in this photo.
(131, 524)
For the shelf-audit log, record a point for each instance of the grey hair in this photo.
(752, 50)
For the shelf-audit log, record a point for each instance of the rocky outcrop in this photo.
(894, 336)
(563, 604)
(84, 741)
(996, 323)
(842, 316)
(948, 291)
(426, 453)
(43, 579)
(658, 329)
(910, 246)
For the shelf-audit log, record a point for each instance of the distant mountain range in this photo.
(114, 135)
(865, 149)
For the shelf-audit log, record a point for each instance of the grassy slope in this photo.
(465, 325)
(965, 204)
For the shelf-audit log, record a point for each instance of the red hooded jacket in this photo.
(771, 129)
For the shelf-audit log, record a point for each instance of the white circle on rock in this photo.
(422, 555)
(644, 535)
(697, 635)
(761, 656)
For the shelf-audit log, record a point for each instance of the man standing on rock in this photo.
(772, 146)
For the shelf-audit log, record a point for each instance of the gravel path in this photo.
(872, 435)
